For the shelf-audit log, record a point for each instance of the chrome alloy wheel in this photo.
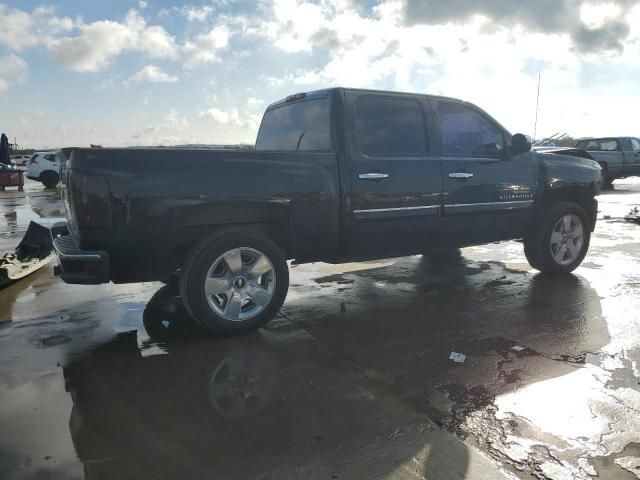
(567, 239)
(240, 284)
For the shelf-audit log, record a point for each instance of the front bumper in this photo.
(75, 265)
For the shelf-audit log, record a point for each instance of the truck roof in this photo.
(586, 139)
(324, 93)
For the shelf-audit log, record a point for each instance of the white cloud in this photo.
(196, 14)
(16, 29)
(254, 102)
(295, 24)
(153, 74)
(222, 117)
(98, 43)
(142, 4)
(92, 47)
(58, 25)
(14, 71)
(204, 48)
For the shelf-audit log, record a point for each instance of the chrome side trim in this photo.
(397, 212)
(472, 207)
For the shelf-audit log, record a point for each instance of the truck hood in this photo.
(565, 151)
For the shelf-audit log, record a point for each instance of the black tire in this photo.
(172, 282)
(202, 258)
(538, 249)
(49, 179)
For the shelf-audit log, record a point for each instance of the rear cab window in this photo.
(301, 126)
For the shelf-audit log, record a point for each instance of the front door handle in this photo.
(460, 175)
(373, 176)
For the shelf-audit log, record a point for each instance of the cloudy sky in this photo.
(146, 72)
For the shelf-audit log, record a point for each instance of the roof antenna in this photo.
(535, 126)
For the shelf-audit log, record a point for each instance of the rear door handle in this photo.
(460, 175)
(373, 176)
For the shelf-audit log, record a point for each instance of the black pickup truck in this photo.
(336, 175)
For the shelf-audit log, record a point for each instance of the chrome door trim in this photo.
(487, 206)
(379, 213)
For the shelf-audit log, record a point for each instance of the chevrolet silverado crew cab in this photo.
(619, 157)
(336, 175)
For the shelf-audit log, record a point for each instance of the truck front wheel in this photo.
(562, 240)
(234, 283)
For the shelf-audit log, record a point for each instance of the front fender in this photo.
(559, 172)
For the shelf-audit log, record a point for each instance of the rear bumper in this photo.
(79, 266)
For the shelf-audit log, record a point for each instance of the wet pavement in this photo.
(352, 380)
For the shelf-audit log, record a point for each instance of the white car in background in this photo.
(19, 160)
(44, 168)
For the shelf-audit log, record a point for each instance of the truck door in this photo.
(608, 153)
(631, 147)
(488, 194)
(396, 186)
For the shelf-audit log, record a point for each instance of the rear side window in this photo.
(635, 144)
(467, 133)
(301, 126)
(390, 127)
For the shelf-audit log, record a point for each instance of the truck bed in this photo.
(170, 197)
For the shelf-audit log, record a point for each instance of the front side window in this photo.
(390, 127)
(297, 127)
(635, 144)
(468, 133)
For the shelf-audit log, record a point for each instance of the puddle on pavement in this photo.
(624, 465)
(360, 361)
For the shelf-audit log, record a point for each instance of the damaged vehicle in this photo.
(337, 175)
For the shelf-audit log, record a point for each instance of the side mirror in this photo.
(519, 144)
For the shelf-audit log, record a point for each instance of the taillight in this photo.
(90, 199)
(33, 160)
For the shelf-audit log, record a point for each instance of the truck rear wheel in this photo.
(561, 242)
(234, 283)
(49, 179)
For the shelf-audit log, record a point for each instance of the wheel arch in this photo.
(270, 220)
(582, 195)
